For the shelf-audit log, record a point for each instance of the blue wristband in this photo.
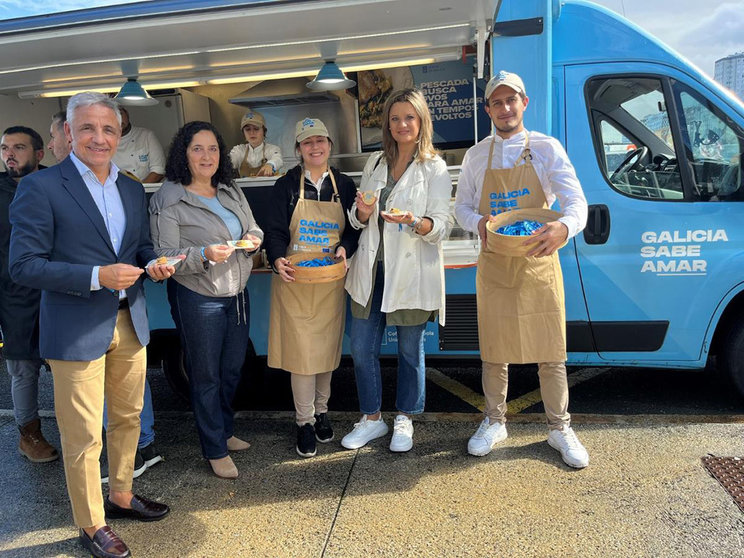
(203, 256)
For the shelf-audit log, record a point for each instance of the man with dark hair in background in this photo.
(21, 149)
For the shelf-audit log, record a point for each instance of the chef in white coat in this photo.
(255, 157)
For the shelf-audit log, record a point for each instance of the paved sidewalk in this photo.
(645, 493)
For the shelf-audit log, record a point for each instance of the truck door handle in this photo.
(597, 229)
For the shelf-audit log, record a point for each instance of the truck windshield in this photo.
(713, 145)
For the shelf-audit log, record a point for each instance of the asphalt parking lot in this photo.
(645, 492)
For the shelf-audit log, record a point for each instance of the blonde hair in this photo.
(425, 149)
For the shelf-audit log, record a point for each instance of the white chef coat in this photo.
(140, 153)
(555, 171)
(267, 151)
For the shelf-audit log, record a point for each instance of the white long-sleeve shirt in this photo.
(554, 170)
(268, 151)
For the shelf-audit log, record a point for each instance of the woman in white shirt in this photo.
(397, 276)
(255, 157)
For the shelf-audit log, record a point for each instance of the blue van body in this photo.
(654, 292)
(618, 312)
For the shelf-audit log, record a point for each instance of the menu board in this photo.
(448, 88)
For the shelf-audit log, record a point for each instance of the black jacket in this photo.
(19, 305)
(284, 197)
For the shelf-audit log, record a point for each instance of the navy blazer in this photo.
(58, 236)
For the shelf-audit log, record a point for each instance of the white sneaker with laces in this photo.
(488, 435)
(565, 441)
(402, 434)
(364, 431)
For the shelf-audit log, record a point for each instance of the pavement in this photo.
(645, 492)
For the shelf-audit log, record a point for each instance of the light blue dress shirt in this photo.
(107, 199)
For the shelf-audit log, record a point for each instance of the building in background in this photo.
(730, 73)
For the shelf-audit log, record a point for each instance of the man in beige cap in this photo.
(255, 157)
(521, 310)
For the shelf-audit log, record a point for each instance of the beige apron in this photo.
(521, 310)
(306, 322)
(245, 169)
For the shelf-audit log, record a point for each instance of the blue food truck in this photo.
(655, 279)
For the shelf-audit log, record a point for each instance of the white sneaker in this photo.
(364, 431)
(566, 442)
(402, 434)
(488, 435)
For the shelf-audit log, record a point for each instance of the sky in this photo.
(702, 30)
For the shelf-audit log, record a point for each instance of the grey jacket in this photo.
(181, 224)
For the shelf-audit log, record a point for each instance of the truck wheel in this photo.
(251, 376)
(732, 355)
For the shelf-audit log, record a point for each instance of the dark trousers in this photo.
(214, 336)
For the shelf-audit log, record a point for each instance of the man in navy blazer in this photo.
(80, 233)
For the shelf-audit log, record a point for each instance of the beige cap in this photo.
(252, 117)
(505, 78)
(310, 127)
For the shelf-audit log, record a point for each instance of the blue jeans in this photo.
(24, 388)
(214, 337)
(147, 419)
(366, 338)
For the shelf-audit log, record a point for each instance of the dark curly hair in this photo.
(177, 164)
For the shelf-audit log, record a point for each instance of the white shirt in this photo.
(267, 151)
(108, 201)
(317, 183)
(554, 170)
(140, 153)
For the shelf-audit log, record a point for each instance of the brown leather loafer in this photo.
(104, 544)
(142, 509)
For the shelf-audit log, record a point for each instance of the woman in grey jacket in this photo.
(199, 212)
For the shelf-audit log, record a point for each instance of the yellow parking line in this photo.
(516, 405)
(456, 388)
(533, 397)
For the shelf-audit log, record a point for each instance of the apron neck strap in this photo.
(525, 156)
(333, 183)
(526, 152)
(490, 152)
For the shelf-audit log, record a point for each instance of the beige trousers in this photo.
(311, 393)
(553, 390)
(79, 388)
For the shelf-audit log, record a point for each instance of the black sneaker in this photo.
(306, 440)
(150, 455)
(323, 430)
(139, 468)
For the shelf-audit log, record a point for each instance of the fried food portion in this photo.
(369, 198)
